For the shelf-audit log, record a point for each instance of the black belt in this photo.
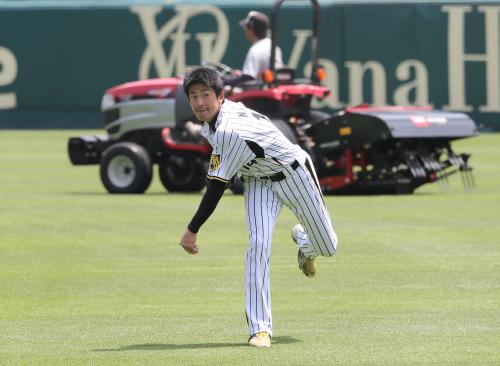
(280, 176)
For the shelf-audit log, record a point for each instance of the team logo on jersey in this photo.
(214, 162)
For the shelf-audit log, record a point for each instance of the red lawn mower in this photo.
(359, 150)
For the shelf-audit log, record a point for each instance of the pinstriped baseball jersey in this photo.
(246, 142)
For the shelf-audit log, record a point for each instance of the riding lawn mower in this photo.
(358, 150)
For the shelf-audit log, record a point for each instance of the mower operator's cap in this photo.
(256, 21)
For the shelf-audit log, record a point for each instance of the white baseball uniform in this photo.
(275, 173)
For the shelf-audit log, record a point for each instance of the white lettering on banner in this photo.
(212, 45)
(420, 84)
(411, 75)
(402, 95)
(356, 72)
(492, 34)
(457, 58)
(301, 37)
(332, 79)
(8, 73)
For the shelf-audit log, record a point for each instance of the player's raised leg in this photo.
(315, 235)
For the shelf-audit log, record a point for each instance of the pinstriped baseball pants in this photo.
(263, 201)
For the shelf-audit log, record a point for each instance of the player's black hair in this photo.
(206, 76)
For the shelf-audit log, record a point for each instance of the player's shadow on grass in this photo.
(167, 346)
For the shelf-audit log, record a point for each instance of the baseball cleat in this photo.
(306, 265)
(260, 339)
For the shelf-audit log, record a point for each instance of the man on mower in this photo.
(255, 26)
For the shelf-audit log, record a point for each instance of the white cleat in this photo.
(260, 339)
(306, 265)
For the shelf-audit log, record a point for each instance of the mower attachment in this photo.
(389, 150)
(86, 150)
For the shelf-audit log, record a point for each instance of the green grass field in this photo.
(88, 278)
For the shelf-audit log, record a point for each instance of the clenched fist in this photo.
(188, 242)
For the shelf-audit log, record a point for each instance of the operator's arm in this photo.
(213, 194)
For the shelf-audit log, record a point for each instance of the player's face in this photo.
(204, 102)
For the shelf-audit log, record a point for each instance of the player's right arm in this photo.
(229, 154)
(212, 196)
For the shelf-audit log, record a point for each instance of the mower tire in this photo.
(183, 174)
(126, 168)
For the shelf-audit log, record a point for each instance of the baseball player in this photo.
(275, 172)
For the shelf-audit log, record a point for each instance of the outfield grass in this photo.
(88, 278)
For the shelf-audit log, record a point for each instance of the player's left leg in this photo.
(301, 193)
(262, 208)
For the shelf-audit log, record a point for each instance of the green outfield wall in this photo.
(56, 61)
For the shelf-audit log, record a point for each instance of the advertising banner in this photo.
(56, 63)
